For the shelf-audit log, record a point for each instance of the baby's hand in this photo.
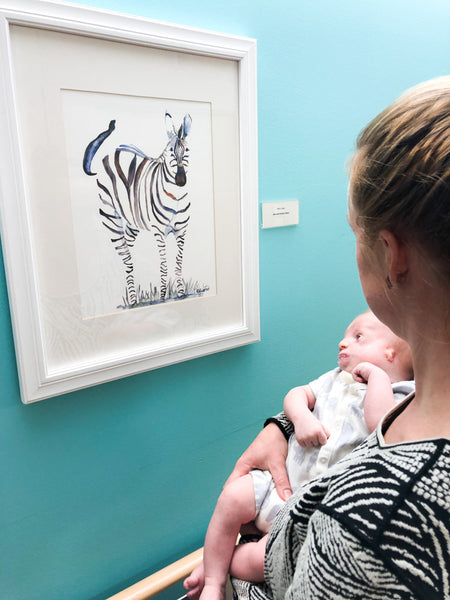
(363, 371)
(311, 433)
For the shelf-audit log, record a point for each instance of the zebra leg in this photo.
(124, 251)
(161, 243)
(181, 290)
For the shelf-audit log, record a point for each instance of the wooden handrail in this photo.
(161, 580)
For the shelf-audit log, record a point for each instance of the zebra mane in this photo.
(134, 150)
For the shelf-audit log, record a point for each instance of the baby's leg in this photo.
(236, 506)
(248, 561)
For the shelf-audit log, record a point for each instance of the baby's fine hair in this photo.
(401, 172)
(402, 350)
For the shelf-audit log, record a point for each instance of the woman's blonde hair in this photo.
(401, 172)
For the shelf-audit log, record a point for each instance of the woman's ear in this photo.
(396, 257)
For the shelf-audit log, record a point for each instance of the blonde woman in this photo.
(378, 525)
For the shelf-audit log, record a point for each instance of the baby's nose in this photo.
(343, 344)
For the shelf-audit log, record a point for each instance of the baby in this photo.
(331, 416)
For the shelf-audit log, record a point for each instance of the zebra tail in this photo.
(93, 146)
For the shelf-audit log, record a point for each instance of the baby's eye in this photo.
(358, 336)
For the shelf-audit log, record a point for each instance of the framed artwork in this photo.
(128, 193)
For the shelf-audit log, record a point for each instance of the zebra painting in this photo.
(140, 193)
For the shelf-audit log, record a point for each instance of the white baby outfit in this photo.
(340, 407)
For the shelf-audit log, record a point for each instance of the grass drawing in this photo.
(151, 296)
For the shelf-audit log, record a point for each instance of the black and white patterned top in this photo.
(377, 526)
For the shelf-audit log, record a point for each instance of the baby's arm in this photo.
(379, 396)
(298, 404)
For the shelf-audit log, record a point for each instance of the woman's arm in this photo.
(268, 452)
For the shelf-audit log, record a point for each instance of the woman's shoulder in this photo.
(366, 490)
(388, 474)
(384, 502)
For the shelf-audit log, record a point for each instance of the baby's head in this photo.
(367, 339)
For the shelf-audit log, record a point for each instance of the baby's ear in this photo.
(389, 353)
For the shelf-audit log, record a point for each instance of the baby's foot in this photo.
(199, 589)
(195, 583)
(213, 592)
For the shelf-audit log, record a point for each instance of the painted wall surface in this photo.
(101, 487)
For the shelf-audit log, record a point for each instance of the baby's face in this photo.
(365, 340)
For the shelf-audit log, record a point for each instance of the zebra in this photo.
(139, 193)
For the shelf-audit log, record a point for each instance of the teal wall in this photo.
(100, 487)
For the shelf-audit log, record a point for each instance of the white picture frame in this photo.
(64, 71)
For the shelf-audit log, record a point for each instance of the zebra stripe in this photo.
(140, 193)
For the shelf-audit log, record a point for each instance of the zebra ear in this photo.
(170, 128)
(187, 122)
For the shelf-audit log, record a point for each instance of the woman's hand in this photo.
(268, 452)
